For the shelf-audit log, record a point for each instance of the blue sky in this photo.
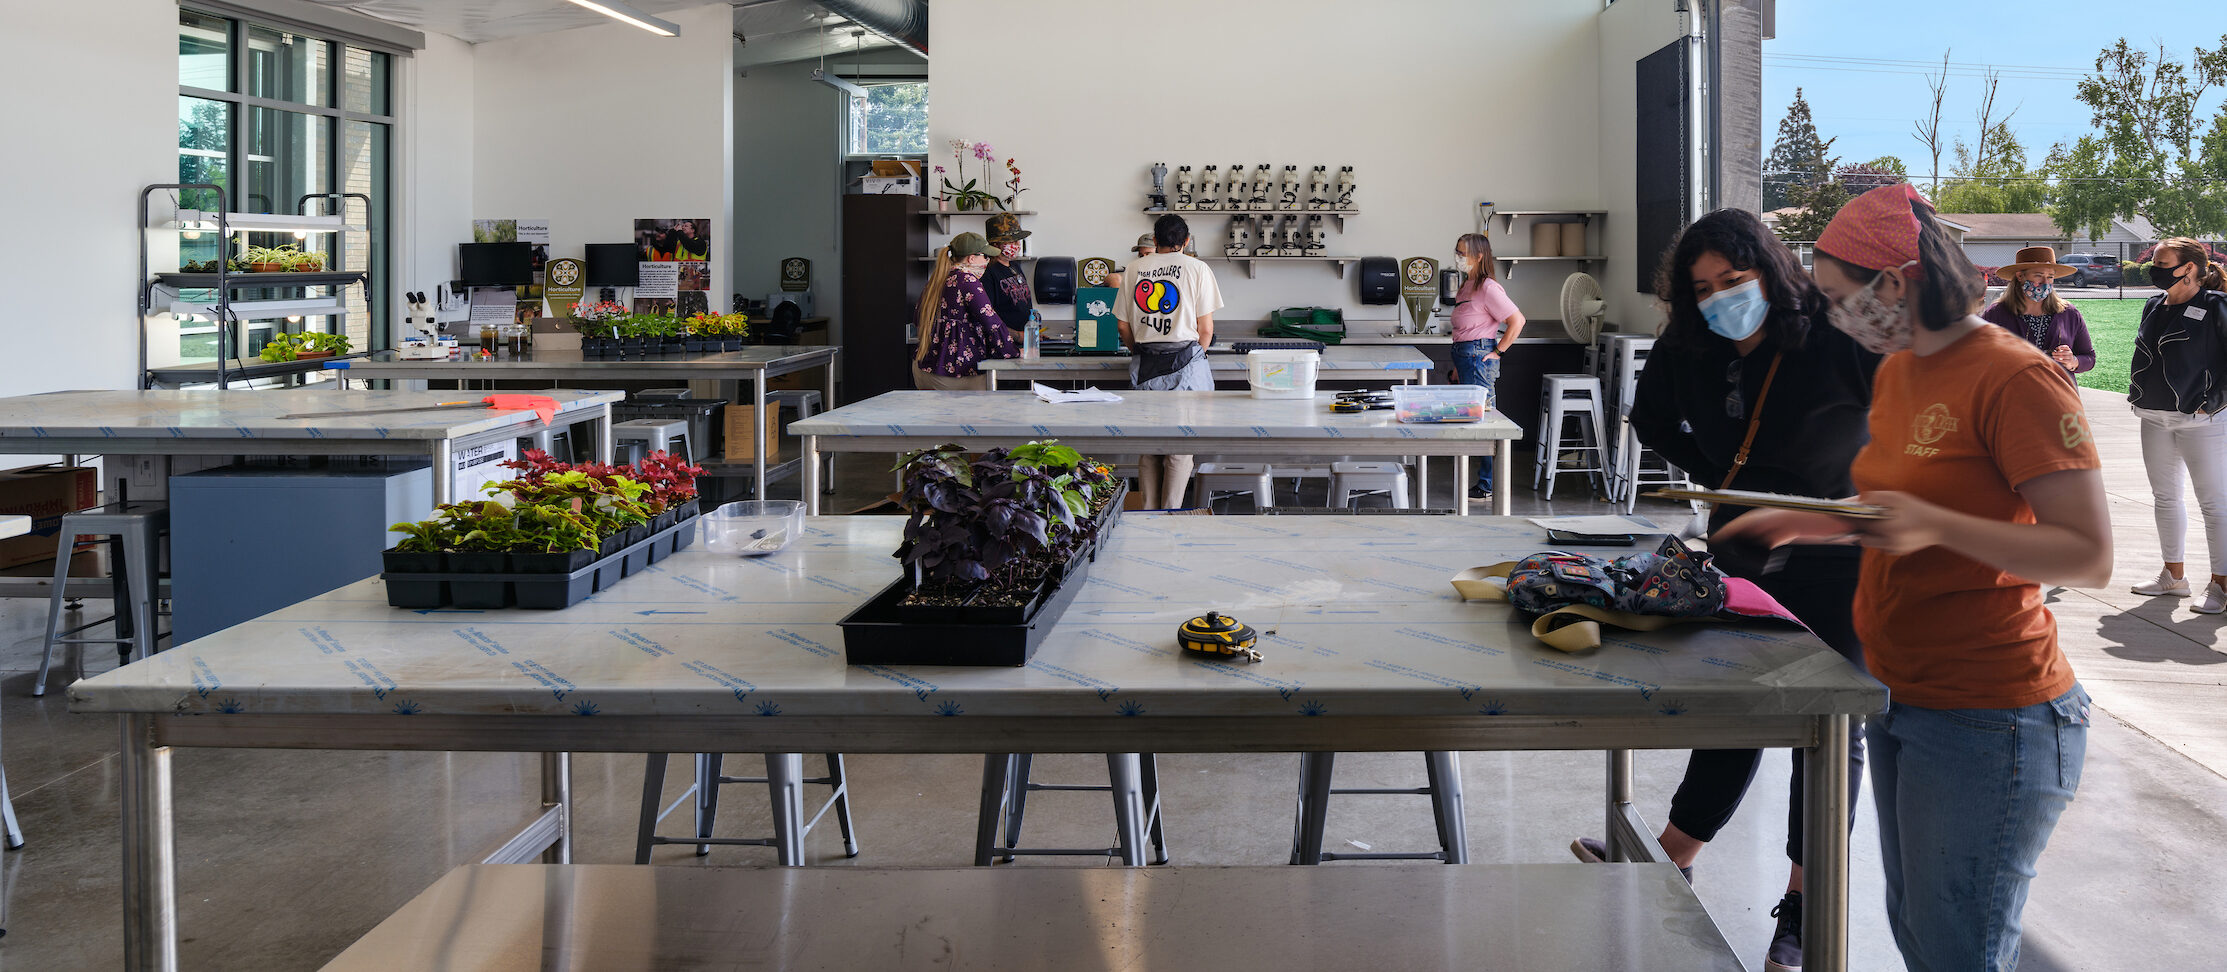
(2040, 48)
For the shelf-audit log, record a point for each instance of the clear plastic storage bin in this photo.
(1438, 403)
(1283, 373)
(753, 528)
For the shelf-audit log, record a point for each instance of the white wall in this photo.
(1435, 111)
(1628, 31)
(598, 126)
(92, 106)
(434, 157)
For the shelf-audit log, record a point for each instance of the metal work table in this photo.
(1376, 363)
(753, 364)
(207, 422)
(1154, 423)
(1369, 652)
(577, 918)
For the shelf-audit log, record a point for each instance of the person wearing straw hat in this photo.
(2031, 309)
(1003, 279)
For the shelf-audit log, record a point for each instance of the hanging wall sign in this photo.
(1093, 271)
(566, 283)
(1419, 285)
(796, 274)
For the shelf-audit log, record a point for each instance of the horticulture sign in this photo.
(1419, 284)
(566, 283)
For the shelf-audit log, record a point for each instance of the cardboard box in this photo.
(44, 493)
(739, 447)
(904, 186)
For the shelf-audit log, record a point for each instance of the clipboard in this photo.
(1772, 501)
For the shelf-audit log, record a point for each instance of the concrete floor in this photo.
(286, 857)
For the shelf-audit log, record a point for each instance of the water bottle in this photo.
(1032, 335)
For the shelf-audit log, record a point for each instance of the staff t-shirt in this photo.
(1962, 428)
(1479, 310)
(1164, 297)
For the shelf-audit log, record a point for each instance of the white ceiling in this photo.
(773, 31)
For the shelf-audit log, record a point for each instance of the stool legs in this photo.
(707, 799)
(1443, 772)
(54, 612)
(785, 783)
(1134, 783)
(1314, 806)
(653, 794)
(142, 567)
(1128, 800)
(1444, 769)
(997, 771)
(1016, 797)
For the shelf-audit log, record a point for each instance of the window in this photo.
(280, 122)
(892, 119)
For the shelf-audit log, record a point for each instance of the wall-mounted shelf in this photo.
(1513, 261)
(1338, 214)
(1508, 217)
(931, 258)
(1337, 263)
(252, 281)
(942, 219)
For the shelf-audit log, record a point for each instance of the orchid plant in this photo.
(967, 196)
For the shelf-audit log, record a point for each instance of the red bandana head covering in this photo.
(1877, 230)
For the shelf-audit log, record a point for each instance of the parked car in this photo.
(2092, 270)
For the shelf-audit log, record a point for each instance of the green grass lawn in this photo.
(2111, 325)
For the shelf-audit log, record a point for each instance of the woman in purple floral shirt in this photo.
(958, 328)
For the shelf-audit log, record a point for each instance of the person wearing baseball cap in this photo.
(1004, 280)
(1986, 478)
(1141, 250)
(957, 327)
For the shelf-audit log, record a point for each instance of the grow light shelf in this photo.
(239, 369)
(246, 310)
(193, 219)
(251, 281)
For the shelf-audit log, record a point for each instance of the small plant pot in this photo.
(478, 561)
(662, 520)
(266, 268)
(403, 592)
(611, 544)
(684, 511)
(633, 347)
(732, 343)
(479, 595)
(696, 345)
(675, 347)
(551, 563)
(635, 534)
(306, 268)
(595, 347)
(411, 562)
(311, 355)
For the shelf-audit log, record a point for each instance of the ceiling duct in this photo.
(901, 22)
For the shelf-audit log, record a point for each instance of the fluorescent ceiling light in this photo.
(625, 14)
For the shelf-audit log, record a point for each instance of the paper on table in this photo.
(1057, 397)
(1597, 526)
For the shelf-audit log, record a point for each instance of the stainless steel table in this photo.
(1369, 652)
(610, 917)
(1376, 363)
(205, 422)
(1155, 423)
(753, 364)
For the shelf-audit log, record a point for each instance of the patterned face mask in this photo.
(1881, 329)
(2035, 292)
(1010, 251)
(970, 271)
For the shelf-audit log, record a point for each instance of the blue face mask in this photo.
(1737, 312)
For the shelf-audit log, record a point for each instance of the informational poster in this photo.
(658, 280)
(534, 232)
(692, 302)
(492, 306)
(473, 468)
(565, 284)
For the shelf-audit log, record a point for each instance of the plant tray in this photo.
(883, 632)
(542, 591)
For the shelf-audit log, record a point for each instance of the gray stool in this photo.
(546, 440)
(1443, 771)
(634, 439)
(805, 402)
(1349, 480)
(135, 532)
(1234, 478)
(1135, 785)
(785, 778)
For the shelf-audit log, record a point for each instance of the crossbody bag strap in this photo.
(1755, 421)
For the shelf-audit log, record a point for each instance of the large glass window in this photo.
(286, 123)
(892, 119)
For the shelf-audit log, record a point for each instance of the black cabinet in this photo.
(885, 245)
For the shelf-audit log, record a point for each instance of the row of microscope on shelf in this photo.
(1257, 236)
(1213, 192)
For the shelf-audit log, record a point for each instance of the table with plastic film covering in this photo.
(1230, 423)
(1367, 647)
(1388, 363)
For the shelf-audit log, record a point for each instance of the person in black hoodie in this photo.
(1008, 286)
(1747, 351)
(2178, 388)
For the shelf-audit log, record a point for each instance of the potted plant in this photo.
(699, 332)
(552, 538)
(292, 346)
(270, 259)
(633, 339)
(994, 549)
(305, 261)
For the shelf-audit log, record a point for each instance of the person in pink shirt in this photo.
(1486, 323)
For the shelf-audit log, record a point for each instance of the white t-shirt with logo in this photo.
(1164, 297)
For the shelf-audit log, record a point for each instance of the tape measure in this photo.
(1220, 636)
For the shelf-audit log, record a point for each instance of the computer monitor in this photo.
(495, 264)
(614, 265)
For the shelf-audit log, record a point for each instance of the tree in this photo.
(2153, 155)
(2000, 183)
(1815, 201)
(1927, 130)
(1862, 177)
(1796, 157)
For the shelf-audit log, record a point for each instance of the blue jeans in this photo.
(1967, 799)
(1474, 368)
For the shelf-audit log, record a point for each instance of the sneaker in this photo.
(1479, 494)
(2165, 585)
(1594, 852)
(2215, 600)
(1786, 943)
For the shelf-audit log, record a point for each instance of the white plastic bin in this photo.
(1438, 403)
(1283, 373)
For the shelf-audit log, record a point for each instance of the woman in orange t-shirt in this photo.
(1982, 457)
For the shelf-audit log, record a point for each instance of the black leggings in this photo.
(1820, 589)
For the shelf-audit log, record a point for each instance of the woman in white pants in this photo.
(2179, 389)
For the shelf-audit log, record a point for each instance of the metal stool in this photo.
(785, 778)
(1135, 785)
(1255, 478)
(546, 440)
(135, 530)
(805, 402)
(634, 439)
(1350, 479)
(1443, 787)
(1561, 398)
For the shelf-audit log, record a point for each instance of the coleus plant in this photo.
(1001, 519)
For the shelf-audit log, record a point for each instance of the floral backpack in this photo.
(1573, 594)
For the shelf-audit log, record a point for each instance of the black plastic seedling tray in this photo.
(548, 591)
(884, 632)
